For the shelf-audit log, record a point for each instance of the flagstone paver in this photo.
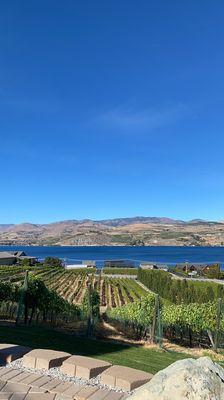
(5, 396)
(4, 370)
(44, 396)
(99, 395)
(18, 396)
(37, 390)
(20, 377)
(10, 352)
(114, 396)
(15, 387)
(51, 384)
(37, 383)
(85, 393)
(72, 390)
(124, 378)
(62, 387)
(11, 374)
(31, 378)
(42, 358)
(2, 384)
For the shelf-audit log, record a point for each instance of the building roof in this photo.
(15, 254)
(6, 254)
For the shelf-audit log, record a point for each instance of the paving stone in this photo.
(51, 384)
(11, 352)
(42, 358)
(62, 397)
(85, 393)
(73, 390)
(4, 371)
(36, 396)
(114, 396)
(62, 387)
(5, 396)
(37, 390)
(20, 377)
(124, 377)
(40, 381)
(31, 378)
(83, 367)
(2, 384)
(10, 374)
(15, 387)
(99, 395)
(18, 396)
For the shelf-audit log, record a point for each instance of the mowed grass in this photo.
(148, 360)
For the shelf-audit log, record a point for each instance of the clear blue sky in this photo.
(111, 108)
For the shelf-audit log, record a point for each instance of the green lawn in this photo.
(131, 356)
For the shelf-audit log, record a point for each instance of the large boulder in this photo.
(189, 379)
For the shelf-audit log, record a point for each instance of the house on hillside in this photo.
(12, 257)
(6, 258)
(151, 266)
(211, 270)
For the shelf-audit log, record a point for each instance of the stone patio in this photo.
(19, 385)
(56, 375)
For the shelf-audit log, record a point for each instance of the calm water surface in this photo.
(157, 254)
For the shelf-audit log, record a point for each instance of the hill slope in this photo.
(150, 231)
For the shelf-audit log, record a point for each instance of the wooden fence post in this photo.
(218, 321)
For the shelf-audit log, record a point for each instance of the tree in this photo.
(53, 262)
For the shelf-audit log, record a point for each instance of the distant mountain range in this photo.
(149, 231)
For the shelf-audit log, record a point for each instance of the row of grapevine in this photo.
(71, 284)
(179, 320)
(115, 292)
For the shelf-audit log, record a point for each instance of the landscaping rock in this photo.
(187, 379)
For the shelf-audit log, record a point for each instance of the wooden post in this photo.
(218, 321)
(153, 332)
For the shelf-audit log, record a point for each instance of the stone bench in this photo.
(83, 367)
(124, 378)
(44, 359)
(10, 352)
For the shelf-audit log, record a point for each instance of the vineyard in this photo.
(201, 324)
(72, 285)
(151, 308)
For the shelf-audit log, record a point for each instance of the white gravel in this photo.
(56, 373)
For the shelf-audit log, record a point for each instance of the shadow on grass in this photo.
(149, 360)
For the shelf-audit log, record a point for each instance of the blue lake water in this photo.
(166, 254)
